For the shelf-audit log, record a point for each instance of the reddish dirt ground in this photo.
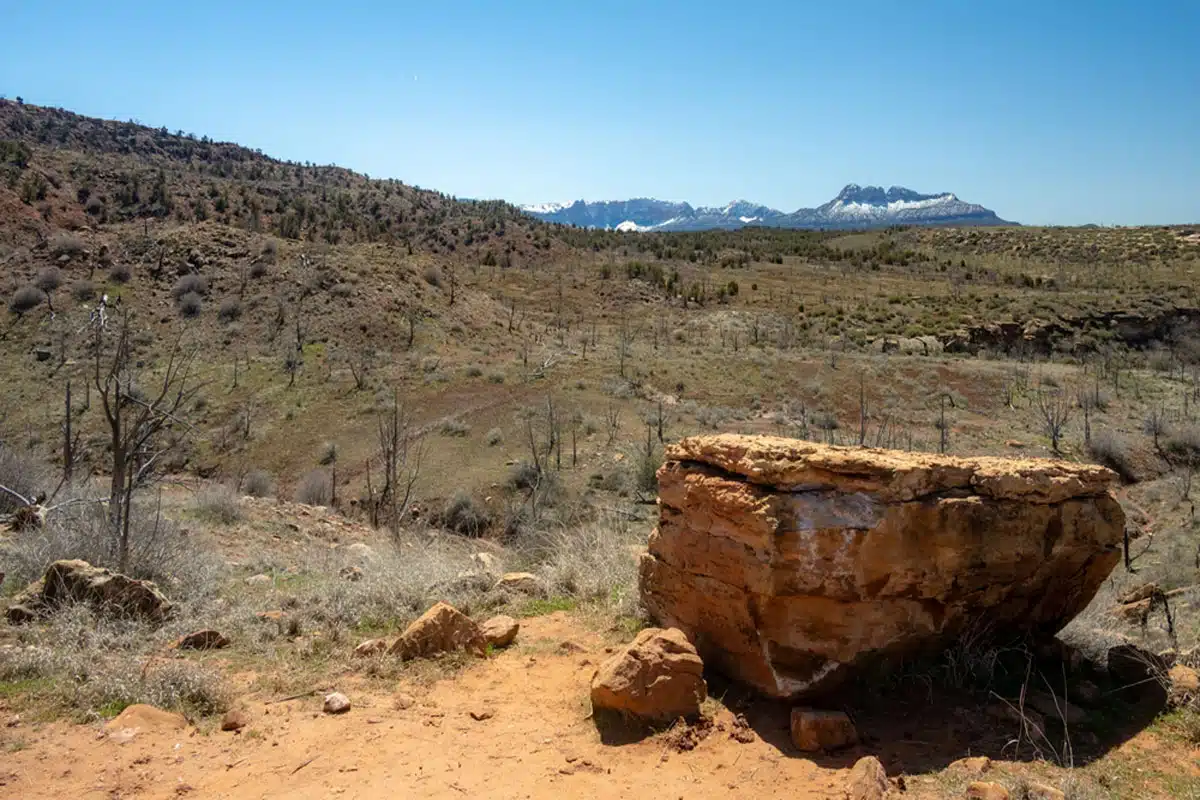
(539, 742)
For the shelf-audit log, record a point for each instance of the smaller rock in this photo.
(816, 731)
(1040, 791)
(352, 574)
(500, 631)
(13, 722)
(336, 703)
(973, 765)
(521, 583)
(1184, 685)
(658, 677)
(403, 702)
(867, 781)
(207, 639)
(234, 720)
(441, 629)
(986, 790)
(371, 647)
(259, 580)
(271, 616)
(1131, 666)
(481, 713)
(1056, 707)
(488, 563)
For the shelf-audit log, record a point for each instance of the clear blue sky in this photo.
(1047, 112)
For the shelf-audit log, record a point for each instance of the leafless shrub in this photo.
(83, 290)
(22, 473)
(190, 284)
(328, 454)
(258, 483)
(190, 304)
(592, 560)
(1183, 445)
(1113, 451)
(26, 299)
(159, 550)
(65, 244)
(315, 489)
(464, 515)
(230, 309)
(432, 276)
(453, 427)
(494, 437)
(120, 273)
(48, 279)
(257, 270)
(1054, 410)
(218, 505)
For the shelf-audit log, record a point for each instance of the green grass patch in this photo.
(539, 607)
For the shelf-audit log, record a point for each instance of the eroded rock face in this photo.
(790, 564)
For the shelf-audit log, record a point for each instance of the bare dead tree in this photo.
(401, 450)
(1054, 411)
(137, 421)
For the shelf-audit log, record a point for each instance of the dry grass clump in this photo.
(315, 489)
(258, 483)
(218, 505)
(48, 279)
(465, 515)
(26, 299)
(1113, 451)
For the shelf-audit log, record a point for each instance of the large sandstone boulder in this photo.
(109, 593)
(658, 677)
(790, 564)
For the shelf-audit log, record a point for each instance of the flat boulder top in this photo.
(795, 465)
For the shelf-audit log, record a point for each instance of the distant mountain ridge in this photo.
(854, 207)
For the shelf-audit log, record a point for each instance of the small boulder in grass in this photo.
(371, 647)
(986, 790)
(207, 639)
(441, 629)
(521, 583)
(336, 703)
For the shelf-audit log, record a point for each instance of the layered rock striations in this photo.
(790, 565)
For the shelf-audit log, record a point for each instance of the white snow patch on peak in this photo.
(748, 220)
(629, 226)
(545, 208)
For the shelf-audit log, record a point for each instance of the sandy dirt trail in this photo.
(536, 740)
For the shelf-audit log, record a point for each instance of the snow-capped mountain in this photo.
(854, 207)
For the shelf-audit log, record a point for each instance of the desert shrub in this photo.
(1183, 445)
(474, 371)
(230, 309)
(524, 475)
(120, 273)
(496, 377)
(257, 270)
(341, 290)
(83, 290)
(26, 299)
(432, 276)
(589, 560)
(453, 427)
(315, 489)
(258, 483)
(65, 244)
(218, 505)
(270, 249)
(494, 437)
(464, 515)
(1114, 452)
(21, 472)
(182, 564)
(190, 304)
(48, 279)
(328, 454)
(190, 284)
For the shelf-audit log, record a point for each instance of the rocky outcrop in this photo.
(790, 564)
(108, 593)
(658, 677)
